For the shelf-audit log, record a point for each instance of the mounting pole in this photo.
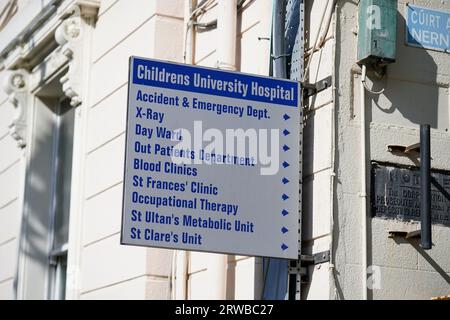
(425, 186)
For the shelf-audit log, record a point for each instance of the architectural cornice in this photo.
(34, 39)
(68, 26)
(69, 35)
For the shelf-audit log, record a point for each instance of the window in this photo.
(62, 174)
(44, 244)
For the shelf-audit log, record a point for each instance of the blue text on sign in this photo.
(219, 83)
(428, 28)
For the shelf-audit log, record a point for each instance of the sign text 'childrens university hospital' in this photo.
(212, 161)
(427, 28)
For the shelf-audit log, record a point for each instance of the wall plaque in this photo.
(395, 194)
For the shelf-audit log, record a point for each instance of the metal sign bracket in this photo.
(317, 258)
(310, 90)
(306, 261)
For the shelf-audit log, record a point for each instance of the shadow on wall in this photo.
(411, 95)
(415, 243)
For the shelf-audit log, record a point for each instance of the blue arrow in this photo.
(285, 148)
(285, 132)
(285, 181)
(284, 212)
(284, 197)
(284, 247)
(285, 164)
(286, 117)
(284, 230)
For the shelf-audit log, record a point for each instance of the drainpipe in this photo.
(363, 192)
(182, 256)
(181, 275)
(189, 32)
(226, 29)
(226, 60)
(279, 62)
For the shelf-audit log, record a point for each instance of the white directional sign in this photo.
(211, 161)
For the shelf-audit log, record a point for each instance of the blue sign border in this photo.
(230, 76)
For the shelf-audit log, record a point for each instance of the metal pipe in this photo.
(276, 278)
(279, 63)
(363, 192)
(181, 274)
(189, 32)
(425, 186)
(226, 54)
(316, 40)
(226, 27)
(182, 256)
